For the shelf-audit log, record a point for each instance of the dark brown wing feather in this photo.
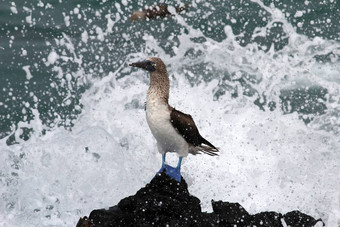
(186, 126)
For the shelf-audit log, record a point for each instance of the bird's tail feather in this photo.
(212, 151)
(209, 150)
(208, 143)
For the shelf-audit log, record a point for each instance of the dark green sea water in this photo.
(260, 78)
(31, 30)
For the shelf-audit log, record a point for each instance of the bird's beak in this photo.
(147, 65)
(140, 64)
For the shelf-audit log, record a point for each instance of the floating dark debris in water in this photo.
(157, 11)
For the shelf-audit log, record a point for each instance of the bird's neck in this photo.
(159, 87)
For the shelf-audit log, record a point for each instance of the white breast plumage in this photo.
(158, 118)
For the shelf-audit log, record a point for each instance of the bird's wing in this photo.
(186, 126)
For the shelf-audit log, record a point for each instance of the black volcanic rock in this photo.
(231, 212)
(166, 202)
(266, 219)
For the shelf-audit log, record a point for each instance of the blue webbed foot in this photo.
(174, 173)
(162, 168)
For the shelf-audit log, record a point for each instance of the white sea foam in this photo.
(268, 161)
(14, 8)
(52, 57)
(27, 71)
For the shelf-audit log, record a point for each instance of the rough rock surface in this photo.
(165, 202)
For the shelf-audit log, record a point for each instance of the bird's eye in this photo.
(153, 64)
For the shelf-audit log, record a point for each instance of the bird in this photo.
(173, 130)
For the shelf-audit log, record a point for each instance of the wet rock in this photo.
(297, 219)
(232, 213)
(166, 202)
(85, 222)
(266, 219)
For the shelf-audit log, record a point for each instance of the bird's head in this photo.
(152, 64)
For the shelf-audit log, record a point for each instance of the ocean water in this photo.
(260, 78)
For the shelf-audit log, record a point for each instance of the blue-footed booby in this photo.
(173, 130)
